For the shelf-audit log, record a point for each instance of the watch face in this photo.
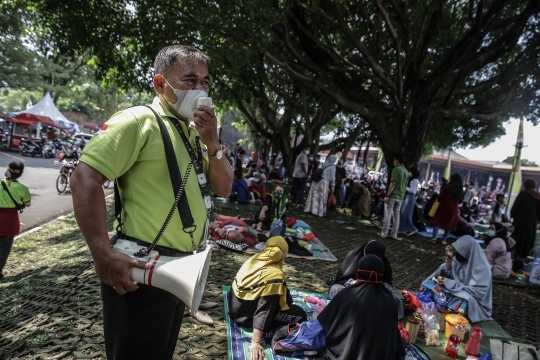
(219, 154)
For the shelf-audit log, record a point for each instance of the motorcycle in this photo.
(30, 148)
(48, 151)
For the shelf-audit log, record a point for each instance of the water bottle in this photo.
(473, 346)
(534, 277)
(440, 300)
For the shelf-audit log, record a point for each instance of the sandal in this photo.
(381, 237)
(443, 242)
(432, 241)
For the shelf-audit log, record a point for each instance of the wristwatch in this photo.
(218, 155)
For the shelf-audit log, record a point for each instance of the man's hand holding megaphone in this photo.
(113, 268)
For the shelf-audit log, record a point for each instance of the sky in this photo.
(503, 147)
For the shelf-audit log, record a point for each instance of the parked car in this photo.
(77, 138)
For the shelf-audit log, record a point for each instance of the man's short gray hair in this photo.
(169, 57)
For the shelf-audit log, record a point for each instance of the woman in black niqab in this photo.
(361, 321)
(350, 264)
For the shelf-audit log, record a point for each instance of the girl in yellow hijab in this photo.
(259, 298)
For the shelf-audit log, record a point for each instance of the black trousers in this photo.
(142, 324)
(295, 314)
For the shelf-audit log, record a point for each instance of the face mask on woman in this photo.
(491, 233)
(306, 152)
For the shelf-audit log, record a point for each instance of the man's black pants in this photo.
(141, 324)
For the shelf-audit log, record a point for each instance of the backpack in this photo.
(317, 174)
(299, 339)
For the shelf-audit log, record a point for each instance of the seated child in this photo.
(275, 207)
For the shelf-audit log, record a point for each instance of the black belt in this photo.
(162, 250)
(276, 281)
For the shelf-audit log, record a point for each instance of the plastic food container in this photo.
(412, 328)
(451, 321)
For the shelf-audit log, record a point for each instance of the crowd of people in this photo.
(361, 320)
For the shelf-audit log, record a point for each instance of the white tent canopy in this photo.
(46, 107)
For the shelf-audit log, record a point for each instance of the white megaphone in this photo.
(184, 277)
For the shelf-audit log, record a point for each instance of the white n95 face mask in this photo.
(186, 102)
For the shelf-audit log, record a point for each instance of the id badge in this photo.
(208, 202)
(201, 178)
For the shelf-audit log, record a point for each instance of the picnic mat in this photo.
(319, 250)
(344, 219)
(250, 208)
(516, 282)
(239, 338)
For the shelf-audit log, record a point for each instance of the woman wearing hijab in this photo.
(446, 216)
(406, 225)
(341, 175)
(321, 190)
(526, 214)
(467, 275)
(347, 272)
(260, 298)
(361, 321)
(498, 251)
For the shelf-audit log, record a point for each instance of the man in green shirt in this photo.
(142, 322)
(394, 197)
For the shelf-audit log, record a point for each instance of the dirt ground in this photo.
(50, 305)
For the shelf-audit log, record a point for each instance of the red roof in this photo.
(20, 121)
(39, 118)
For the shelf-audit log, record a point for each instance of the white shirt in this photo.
(300, 159)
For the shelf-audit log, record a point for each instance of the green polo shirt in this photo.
(400, 176)
(18, 191)
(129, 147)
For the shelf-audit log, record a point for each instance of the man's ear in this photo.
(159, 84)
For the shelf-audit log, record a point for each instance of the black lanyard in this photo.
(196, 160)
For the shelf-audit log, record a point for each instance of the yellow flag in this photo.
(515, 177)
(379, 160)
(448, 166)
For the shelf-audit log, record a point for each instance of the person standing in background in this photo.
(300, 177)
(13, 193)
(394, 197)
(526, 214)
(341, 175)
(406, 225)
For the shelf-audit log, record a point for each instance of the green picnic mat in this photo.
(344, 219)
(514, 281)
(319, 250)
(490, 330)
(239, 338)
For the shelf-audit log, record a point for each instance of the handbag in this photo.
(18, 206)
(331, 203)
(433, 209)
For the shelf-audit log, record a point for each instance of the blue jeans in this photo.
(5, 248)
(298, 189)
(405, 223)
(436, 232)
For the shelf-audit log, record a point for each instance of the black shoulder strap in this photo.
(118, 209)
(11, 197)
(174, 173)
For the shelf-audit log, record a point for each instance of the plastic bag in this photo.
(432, 325)
(411, 299)
(331, 203)
(403, 333)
